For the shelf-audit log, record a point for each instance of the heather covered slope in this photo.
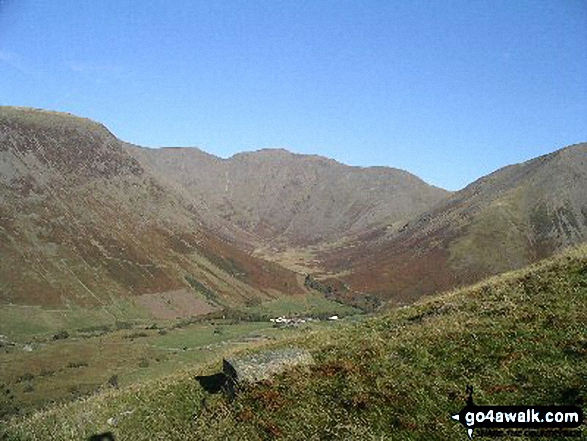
(503, 221)
(518, 339)
(88, 220)
(83, 224)
(285, 199)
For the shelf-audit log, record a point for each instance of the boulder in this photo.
(262, 365)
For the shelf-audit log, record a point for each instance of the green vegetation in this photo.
(519, 338)
(309, 305)
(228, 265)
(21, 323)
(61, 335)
(54, 366)
(210, 295)
(49, 118)
(497, 239)
(311, 283)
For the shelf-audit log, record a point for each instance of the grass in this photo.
(22, 323)
(496, 241)
(518, 338)
(45, 117)
(310, 305)
(47, 367)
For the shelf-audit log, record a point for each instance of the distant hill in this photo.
(506, 220)
(83, 223)
(281, 198)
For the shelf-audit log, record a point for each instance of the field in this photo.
(54, 357)
(518, 338)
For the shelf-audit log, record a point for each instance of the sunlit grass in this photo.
(518, 338)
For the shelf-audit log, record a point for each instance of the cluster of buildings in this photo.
(284, 321)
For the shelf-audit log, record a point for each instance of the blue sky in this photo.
(448, 90)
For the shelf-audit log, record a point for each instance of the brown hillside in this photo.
(281, 198)
(87, 219)
(504, 221)
(83, 223)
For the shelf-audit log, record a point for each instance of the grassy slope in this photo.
(23, 323)
(518, 338)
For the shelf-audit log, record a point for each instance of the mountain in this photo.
(88, 220)
(285, 199)
(84, 224)
(506, 220)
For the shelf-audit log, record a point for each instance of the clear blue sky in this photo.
(449, 90)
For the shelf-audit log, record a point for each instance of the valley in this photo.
(126, 270)
(86, 353)
(517, 338)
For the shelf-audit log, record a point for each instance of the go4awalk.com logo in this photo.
(519, 420)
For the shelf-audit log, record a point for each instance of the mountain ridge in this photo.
(141, 221)
(503, 221)
(286, 198)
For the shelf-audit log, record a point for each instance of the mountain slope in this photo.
(84, 224)
(87, 219)
(289, 199)
(518, 339)
(503, 221)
